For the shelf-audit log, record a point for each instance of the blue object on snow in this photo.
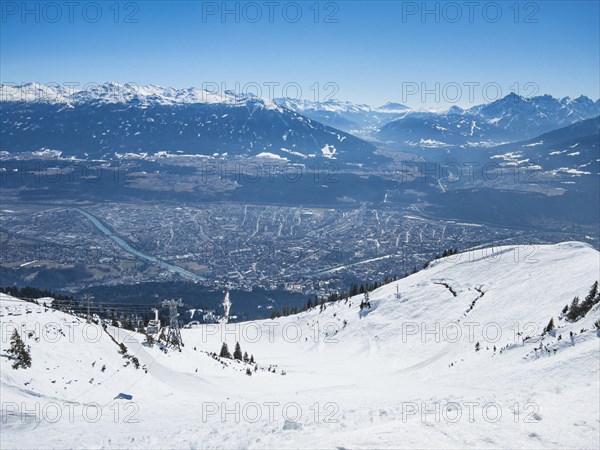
(122, 396)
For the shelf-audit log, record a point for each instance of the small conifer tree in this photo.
(19, 351)
(225, 351)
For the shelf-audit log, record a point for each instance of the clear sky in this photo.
(371, 52)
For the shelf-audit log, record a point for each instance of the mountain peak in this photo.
(512, 96)
(393, 106)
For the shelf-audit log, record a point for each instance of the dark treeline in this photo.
(320, 302)
(355, 289)
(128, 317)
(30, 294)
(577, 310)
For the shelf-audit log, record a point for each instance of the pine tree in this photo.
(477, 347)
(550, 326)
(246, 357)
(593, 292)
(20, 353)
(590, 299)
(237, 353)
(225, 351)
(251, 359)
(574, 310)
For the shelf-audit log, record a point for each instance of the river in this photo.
(128, 248)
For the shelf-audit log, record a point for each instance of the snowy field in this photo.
(404, 373)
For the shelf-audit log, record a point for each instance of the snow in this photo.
(267, 155)
(329, 151)
(432, 143)
(571, 171)
(292, 152)
(534, 144)
(397, 375)
(116, 93)
(508, 156)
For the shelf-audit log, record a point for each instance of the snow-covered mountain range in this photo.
(114, 119)
(128, 93)
(460, 354)
(102, 120)
(508, 119)
(359, 119)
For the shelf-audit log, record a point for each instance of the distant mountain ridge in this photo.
(112, 93)
(113, 118)
(125, 118)
(508, 119)
(358, 119)
(573, 150)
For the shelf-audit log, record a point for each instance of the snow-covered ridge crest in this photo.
(339, 106)
(128, 93)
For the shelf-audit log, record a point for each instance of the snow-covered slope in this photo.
(403, 373)
(573, 151)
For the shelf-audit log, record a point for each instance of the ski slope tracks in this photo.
(402, 373)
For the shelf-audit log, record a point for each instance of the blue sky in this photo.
(372, 52)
